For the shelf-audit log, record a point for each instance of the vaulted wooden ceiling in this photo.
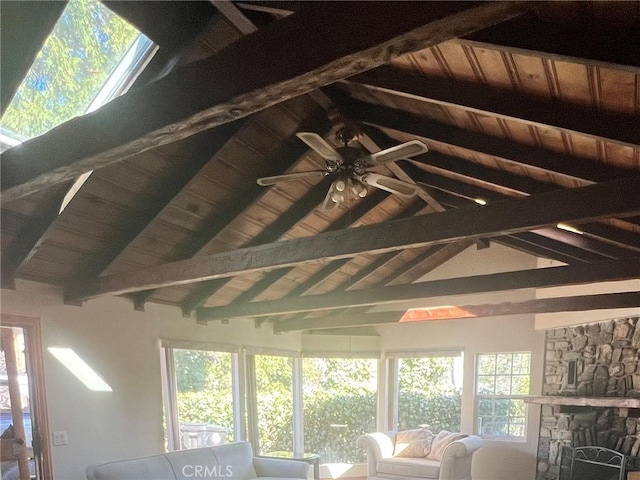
(532, 107)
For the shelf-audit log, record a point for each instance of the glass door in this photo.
(23, 425)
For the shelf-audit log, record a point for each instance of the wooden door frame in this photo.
(35, 369)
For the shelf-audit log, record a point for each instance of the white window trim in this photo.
(477, 397)
(170, 387)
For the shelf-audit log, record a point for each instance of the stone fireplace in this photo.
(591, 391)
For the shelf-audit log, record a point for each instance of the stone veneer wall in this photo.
(594, 360)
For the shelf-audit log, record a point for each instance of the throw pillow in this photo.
(413, 443)
(441, 442)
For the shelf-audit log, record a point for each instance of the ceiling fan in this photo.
(350, 166)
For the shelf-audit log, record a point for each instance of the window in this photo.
(502, 380)
(339, 396)
(199, 397)
(274, 387)
(430, 392)
(90, 57)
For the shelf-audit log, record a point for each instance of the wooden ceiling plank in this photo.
(618, 128)
(613, 249)
(545, 305)
(201, 295)
(283, 158)
(255, 72)
(32, 236)
(536, 278)
(617, 198)
(588, 43)
(500, 148)
(282, 225)
(145, 216)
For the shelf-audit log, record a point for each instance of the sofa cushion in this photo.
(413, 443)
(232, 461)
(194, 463)
(409, 467)
(236, 458)
(442, 441)
(156, 467)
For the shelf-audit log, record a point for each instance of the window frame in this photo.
(477, 397)
(170, 388)
(388, 411)
(248, 355)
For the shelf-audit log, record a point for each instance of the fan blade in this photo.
(390, 184)
(288, 177)
(329, 203)
(320, 145)
(404, 150)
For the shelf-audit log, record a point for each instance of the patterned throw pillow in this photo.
(441, 441)
(413, 443)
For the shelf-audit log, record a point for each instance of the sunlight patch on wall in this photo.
(78, 367)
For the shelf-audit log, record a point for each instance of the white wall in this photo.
(122, 345)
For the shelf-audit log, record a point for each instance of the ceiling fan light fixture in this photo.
(351, 168)
(358, 188)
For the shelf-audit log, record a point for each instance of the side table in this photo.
(310, 458)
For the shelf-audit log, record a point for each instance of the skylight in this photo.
(91, 56)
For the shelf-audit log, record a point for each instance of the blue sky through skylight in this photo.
(89, 58)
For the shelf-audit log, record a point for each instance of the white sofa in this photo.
(232, 461)
(382, 465)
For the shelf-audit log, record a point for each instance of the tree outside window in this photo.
(502, 381)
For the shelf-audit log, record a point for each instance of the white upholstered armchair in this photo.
(454, 464)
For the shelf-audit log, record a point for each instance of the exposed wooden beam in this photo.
(279, 9)
(614, 248)
(300, 209)
(255, 72)
(538, 249)
(283, 158)
(536, 244)
(201, 293)
(546, 305)
(141, 219)
(617, 128)
(355, 331)
(245, 26)
(170, 25)
(613, 199)
(438, 164)
(427, 261)
(536, 278)
(24, 28)
(32, 235)
(235, 16)
(568, 34)
(510, 151)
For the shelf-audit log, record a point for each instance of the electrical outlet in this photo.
(60, 438)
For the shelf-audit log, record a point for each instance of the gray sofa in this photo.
(232, 461)
(382, 465)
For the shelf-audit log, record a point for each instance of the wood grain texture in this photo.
(546, 305)
(536, 278)
(613, 199)
(255, 72)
